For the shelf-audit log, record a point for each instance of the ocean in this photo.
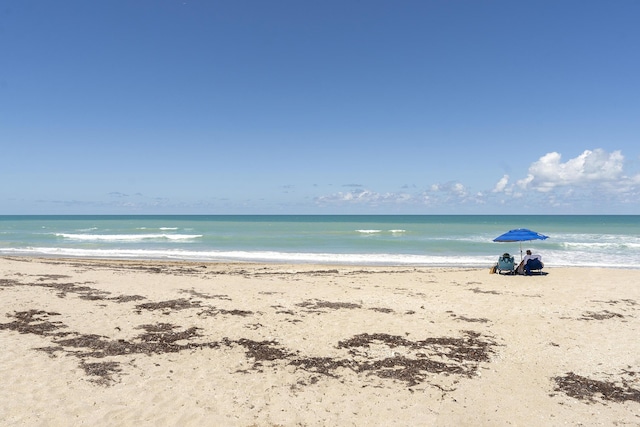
(412, 240)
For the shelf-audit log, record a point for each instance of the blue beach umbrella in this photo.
(520, 235)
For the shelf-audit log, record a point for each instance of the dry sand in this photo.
(131, 343)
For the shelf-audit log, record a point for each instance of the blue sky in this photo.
(314, 107)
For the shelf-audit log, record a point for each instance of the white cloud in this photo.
(437, 194)
(595, 180)
(363, 197)
(590, 167)
(459, 189)
(450, 188)
(501, 185)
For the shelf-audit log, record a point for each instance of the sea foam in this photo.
(127, 237)
(257, 256)
(395, 231)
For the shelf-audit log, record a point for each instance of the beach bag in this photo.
(493, 269)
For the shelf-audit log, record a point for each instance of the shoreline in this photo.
(147, 342)
(346, 264)
(425, 241)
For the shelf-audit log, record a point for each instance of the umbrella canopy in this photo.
(520, 235)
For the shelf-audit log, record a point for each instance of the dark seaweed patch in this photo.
(103, 370)
(6, 283)
(34, 322)
(318, 305)
(590, 390)
(625, 301)
(197, 294)
(176, 304)
(81, 289)
(602, 315)
(477, 290)
(44, 277)
(322, 365)
(381, 310)
(470, 319)
(213, 311)
(260, 351)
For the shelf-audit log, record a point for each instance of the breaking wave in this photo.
(127, 237)
(255, 256)
(381, 231)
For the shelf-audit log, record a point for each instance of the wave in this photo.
(159, 228)
(255, 256)
(601, 245)
(127, 237)
(554, 259)
(381, 231)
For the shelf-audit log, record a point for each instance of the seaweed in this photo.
(589, 390)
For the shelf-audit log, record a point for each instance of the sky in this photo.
(319, 107)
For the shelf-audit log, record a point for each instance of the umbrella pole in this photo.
(520, 251)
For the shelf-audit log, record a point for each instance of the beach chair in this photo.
(506, 263)
(533, 265)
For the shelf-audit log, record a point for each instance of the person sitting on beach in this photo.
(529, 262)
(505, 263)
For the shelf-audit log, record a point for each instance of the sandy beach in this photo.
(150, 343)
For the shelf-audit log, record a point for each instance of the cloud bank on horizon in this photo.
(592, 177)
(596, 181)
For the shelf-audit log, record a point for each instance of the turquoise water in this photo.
(421, 240)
